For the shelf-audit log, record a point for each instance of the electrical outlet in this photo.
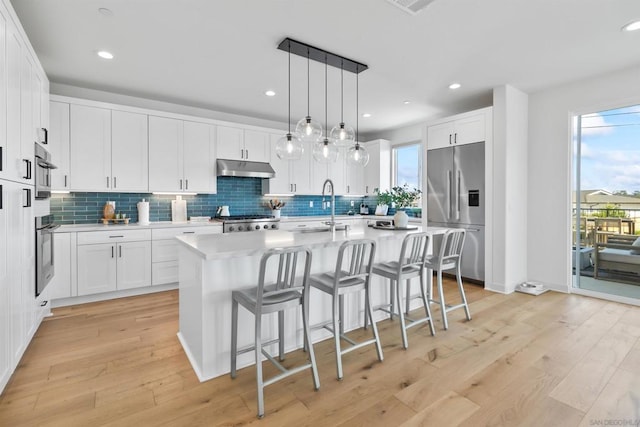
(311, 203)
(353, 203)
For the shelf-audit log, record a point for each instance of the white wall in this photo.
(509, 257)
(397, 136)
(549, 165)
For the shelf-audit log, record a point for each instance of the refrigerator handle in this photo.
(458, 198)
(449, 192)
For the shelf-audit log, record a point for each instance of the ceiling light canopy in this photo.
(455, 86)
(270, 93)
(632, 26)
(105, 55)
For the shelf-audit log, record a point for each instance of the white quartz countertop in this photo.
(233, 245)
(134, 226)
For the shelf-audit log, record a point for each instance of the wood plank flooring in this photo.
(554, 359)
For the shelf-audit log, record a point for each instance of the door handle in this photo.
(449, 194)
(115, 184)
(65, 181)
(455, 138)
(107, 182)
(28, 164)
(28, 192)
(242, 153)
(1, 196)
(116, 237)
(111, 251)
(186, 184)
(120, 251)
(181, 184)
(1, 160)
(458, 198)
(449, 139)
(247, 151)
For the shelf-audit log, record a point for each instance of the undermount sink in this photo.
(318, 229)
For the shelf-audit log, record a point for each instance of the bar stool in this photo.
(449, 258)
(413, 254)
(287, 291)
(353, 276)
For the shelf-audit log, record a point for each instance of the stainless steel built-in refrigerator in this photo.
(455, 199)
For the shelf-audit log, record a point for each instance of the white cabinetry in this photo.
(377, 173)
(461, 129)
(108, 153)
(5, 281)
(292, 176)
(165, 251)
(3, 103)
(60, 284)
(354, 179)
(242, 144)
(59, 145)
(181, 156)
(109, 261)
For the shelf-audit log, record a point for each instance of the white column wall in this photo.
(549, 163)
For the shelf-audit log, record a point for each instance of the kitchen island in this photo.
(210, 267)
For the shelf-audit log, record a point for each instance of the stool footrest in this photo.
(286, 373)
(416, 322)
(453, 307)
(357, 346)
(253, 347)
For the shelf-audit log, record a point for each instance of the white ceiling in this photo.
(221, 54)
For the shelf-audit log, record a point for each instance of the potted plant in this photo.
(385, 198)
(403, 199)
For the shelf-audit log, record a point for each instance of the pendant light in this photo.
(308, 129)
(325, 151)
(289, 146)
(341, 133)
(357, 154)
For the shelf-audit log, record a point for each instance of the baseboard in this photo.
(64, 302)
(192, 360)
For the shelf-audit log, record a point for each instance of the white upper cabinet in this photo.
(59, 145)
(108, 150)
(3, 100)
(181, 156)
(239, 144)
(377, 173)
(292, 176)
(90, 142)
(199, 158)
(462, 129)
(129, 152)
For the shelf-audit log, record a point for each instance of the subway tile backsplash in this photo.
(242, 195)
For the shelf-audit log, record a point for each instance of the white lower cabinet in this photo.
(165, 251)
(60, 284)
(111, 261)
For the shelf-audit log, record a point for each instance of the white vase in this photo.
(401, 219)
(276, 213)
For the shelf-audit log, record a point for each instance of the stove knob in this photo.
(231, 228)
(266, 226)
(273, 226)
(257, 227)
(239, 228)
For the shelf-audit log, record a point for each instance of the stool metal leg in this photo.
(407, 297)
(461, 289)
(336, 337)
(341, 314)
(403, 328)
(234, 337)
(281, 334)
(425, 302)
(367, 302)
(392, 295)
(307, 342)
(259, 379)
(443, 307)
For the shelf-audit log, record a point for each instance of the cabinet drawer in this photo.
(170, 233)
(115, 236)
(164, 250)
(164, 272)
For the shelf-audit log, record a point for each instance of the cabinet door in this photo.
(355, 179)
(28, 246)
(15, 198)
(96, 269)
(199, 173)
(60, 285)
(36, 103)
(470, 129)
(281, 183)
(165, 154)
(90, 148)
(440, 135)
(336, 172)
(27, 132)
(256, 146)
(319, 173)
(129, 152)
(5, 303)
(15, 165)
(59, 145)
(3, 105)
(229, 143)
(134, 265)
(300, 173)
(372, 170)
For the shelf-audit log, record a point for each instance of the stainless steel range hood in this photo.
(227, 167)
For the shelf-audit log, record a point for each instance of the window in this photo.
(407, 165)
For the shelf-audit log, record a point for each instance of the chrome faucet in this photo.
(331, 223)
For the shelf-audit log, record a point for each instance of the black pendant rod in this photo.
(326, 129)
(342, 92)
(357, 105)
(306, 50)
(308, 84)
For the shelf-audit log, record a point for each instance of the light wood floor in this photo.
(552, 360)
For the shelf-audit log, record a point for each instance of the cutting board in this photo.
(178, 211)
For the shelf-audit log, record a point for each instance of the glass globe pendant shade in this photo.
(289, 147)
(325, 151)
(342, 133)
(358, 155)
(309, 129)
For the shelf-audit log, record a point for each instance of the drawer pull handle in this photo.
(188, 232)
(115, 237)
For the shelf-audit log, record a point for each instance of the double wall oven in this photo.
(44, 251)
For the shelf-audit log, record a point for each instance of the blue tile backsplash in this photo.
(242, 195)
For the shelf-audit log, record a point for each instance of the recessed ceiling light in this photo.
(105, 55)
(270, 93)
(105, 12)
(407, 102)
(632, 26)
(366, 115)
(454, 86)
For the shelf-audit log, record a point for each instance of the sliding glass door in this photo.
(606, 202)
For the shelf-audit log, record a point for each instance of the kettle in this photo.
(223, 211)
